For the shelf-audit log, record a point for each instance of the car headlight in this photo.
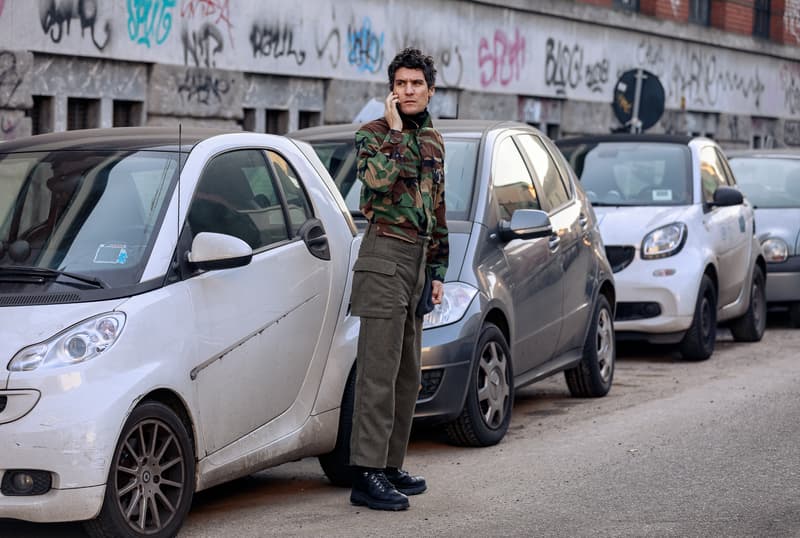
(456, 300)
(775, 250)
(79, 343)
(664, 242)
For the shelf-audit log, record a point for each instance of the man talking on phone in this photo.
(397, 278)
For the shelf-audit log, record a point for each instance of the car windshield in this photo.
(767, 181)
(339, 157)
(633, 173)
(92, 214)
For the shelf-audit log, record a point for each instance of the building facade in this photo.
(729, 69)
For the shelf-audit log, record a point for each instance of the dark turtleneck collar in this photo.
(414, 121)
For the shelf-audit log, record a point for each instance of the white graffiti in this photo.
(676, 7)
(791, 18)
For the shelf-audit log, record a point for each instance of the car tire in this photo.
(138, 485)
(698, 342)
(794, 315)
(490, 394)
(336, 463)
(750, 327)
(593, 376)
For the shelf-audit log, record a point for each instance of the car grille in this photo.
(619, 257)
(431, 379)
(631, 311)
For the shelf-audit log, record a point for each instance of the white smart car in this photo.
(173, 315)
(679, 236)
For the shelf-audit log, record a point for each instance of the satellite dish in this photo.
(638, 100)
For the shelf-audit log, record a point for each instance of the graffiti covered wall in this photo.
(478, 48)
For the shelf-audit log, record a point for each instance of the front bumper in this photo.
(56, 505)
(783, 281)
(446, 367)
(671, 283)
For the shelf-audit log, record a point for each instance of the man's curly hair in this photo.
(413, 58)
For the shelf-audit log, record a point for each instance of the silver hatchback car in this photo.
(770, 179)
(529, 291)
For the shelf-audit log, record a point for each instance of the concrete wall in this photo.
(226, 62)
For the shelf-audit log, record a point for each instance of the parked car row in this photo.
(174, 306)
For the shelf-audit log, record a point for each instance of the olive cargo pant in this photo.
(387, 282)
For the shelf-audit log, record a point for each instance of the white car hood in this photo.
(22, 326)
(629, 225)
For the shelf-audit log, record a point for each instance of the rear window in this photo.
(767, 181)
(632, 173)
(339, 158)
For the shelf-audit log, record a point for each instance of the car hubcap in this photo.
(605, 345)
(150, 477)
(493, 386)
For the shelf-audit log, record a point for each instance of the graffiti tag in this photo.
(56, 15)
(365, 47)
(502, 61)
(149, 19)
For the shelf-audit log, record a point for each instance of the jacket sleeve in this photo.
(439, 251)
(377, 158)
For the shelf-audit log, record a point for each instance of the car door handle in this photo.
(583, 220)
(554, 242)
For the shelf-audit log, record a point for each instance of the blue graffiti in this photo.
(365, 47)
(149, 19)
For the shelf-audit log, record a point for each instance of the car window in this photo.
(632, 173)
(296, 199)
(460, 159)
(512, 184)
(236, 195)
(768, 182)
(730, 179)
(712, 174)
(554, 192)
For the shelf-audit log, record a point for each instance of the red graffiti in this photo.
(2, 5)
(503, 61)
(217, 10)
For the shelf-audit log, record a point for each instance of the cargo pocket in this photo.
(375, 290)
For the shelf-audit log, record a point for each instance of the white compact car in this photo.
(173, 315)
(679, 236)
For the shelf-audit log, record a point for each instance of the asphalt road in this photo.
(680, 449)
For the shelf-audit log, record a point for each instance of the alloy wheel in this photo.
(149, 476)
(493, 386)
(605, 345)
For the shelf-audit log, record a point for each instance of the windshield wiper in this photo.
(22, 270)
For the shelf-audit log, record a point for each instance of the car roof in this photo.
(116, 138)
(784, 153)
(626, 137)
(475, 128)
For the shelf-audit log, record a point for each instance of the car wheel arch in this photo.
(176, 403)
(499, 318)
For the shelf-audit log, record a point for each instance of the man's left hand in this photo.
(437, 291)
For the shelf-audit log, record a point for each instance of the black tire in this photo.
(336, 463)
(698, 342)
(794, 315)
(490, 394)
(593, 376)
(139, 488)
(750, 327)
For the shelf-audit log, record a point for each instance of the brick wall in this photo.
(665, 10)
(733, 15)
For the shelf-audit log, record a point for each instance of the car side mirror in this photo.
(212, 251)
(526, 224)
(727, 196)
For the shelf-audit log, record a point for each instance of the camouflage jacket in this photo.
(403, 192)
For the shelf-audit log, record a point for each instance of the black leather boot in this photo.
(371, 488)
(404, 482)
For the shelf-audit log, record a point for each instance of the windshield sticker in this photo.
(112, 253)
(662, 195)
